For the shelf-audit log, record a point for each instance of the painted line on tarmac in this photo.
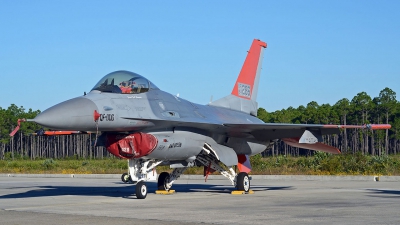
(220, 177)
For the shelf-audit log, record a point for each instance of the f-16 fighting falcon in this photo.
(139, 122)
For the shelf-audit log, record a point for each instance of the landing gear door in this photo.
(226, 155)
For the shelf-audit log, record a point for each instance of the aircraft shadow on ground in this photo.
(126, 190)
(384, 193)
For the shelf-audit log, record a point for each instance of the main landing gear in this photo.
(162, 182)
(240, 181)
(207, 159)
(165, 180)
(142, 170)
(243, 182)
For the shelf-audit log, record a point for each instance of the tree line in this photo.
(362, 109)
(27, 145)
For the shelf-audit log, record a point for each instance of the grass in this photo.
(319, 164)
(69, 166)
(327, 164)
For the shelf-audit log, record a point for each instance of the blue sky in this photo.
(51, 51)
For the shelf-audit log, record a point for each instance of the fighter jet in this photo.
(139, 122)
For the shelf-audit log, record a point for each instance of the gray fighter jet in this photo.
(150, 127)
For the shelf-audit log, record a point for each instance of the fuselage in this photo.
(128, 112)
(113, 109)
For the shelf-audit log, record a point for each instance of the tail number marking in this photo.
(244, 90)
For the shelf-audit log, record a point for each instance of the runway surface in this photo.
(109, 201)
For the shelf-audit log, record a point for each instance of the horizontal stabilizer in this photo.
(294, 142)
(309, 137)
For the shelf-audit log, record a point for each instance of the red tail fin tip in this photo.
(247, 82)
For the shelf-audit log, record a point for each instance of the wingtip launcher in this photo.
(365, 126)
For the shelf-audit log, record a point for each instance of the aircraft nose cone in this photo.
(74, 114)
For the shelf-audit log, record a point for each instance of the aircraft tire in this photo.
(125, 177)
(162, 180)
(243, 182)
(141, 190)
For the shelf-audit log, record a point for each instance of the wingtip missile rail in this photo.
(365, 126)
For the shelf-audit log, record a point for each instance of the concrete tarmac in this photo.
(38, 200)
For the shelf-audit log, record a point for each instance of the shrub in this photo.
(49, 164)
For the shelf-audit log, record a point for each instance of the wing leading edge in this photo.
(268, 131)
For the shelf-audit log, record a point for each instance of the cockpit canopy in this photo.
(124, 82)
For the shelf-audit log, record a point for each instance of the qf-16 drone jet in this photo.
(150, 127)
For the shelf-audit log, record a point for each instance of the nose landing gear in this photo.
(140, 170)
(141, 190)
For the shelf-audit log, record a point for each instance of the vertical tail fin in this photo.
(244, 93)
(246, 85)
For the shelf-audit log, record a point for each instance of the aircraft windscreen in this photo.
(124, 82)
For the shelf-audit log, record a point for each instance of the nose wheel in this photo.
(141, 190)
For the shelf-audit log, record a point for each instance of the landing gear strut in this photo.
(241, 181)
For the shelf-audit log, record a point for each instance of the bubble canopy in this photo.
(124, 82)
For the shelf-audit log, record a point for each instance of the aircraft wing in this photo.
(261, 132)
(307, 136)
(270, 131)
